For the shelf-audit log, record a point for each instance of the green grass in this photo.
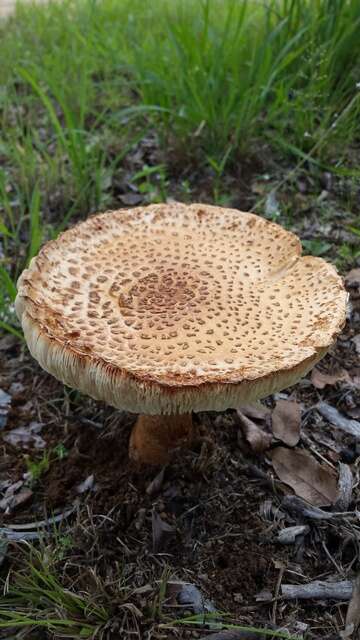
(212, 81)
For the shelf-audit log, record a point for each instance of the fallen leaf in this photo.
(352, 621)
(286, 421)
(26, 436)
(162, 532)
(309, 479)
(257, 438)
(5, 403)
(320, 379)
(255, 411)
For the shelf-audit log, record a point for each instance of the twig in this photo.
(318, 590)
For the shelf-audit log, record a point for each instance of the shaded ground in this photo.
(211, 518)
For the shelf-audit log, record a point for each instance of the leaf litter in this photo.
(310, 480)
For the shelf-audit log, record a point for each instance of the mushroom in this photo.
(168, 309)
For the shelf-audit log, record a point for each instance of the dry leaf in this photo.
(258, 440)
(286, 421)
(255, 411)
(309, 479)
(320, 379)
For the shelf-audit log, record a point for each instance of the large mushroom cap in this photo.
(172, 308)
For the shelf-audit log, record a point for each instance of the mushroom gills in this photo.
(153, 438)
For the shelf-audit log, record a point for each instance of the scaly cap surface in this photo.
(171, 308)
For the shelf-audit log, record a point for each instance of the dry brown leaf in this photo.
(257, 438)
(255, 411)
(320, 379)
(286, 422)
(310, 480)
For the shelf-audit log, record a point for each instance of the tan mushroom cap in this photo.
(171, 308)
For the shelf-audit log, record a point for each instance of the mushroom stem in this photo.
(154, 437)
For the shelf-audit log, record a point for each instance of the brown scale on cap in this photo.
(172, 308)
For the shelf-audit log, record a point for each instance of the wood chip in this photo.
(336, 419)
(258, 440)
(286, 421)
(318, 590)
(310, 480)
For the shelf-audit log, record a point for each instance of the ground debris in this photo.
(162, 532)
(299, 508)
(334, 417)
(318, 590)
(5, 403)
(155, 485)
(314, 482)
(189, 596)
(345, 485)
(286, 421)
(352, 621)
(26, 436)
(320, 379)
(87, 485)
(289, 534)
(15, 496)
(258, 440)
